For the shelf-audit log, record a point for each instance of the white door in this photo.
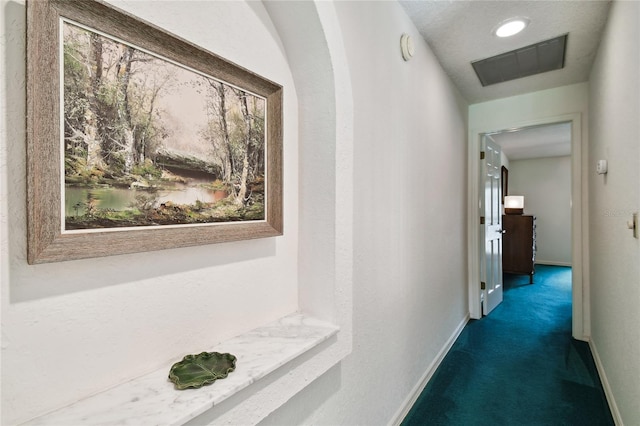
(491, 226)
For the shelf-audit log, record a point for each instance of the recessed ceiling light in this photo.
(511, 27)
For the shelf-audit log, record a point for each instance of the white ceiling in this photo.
(460, 32)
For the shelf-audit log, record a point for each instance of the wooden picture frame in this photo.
(504, 180)
(53, 160)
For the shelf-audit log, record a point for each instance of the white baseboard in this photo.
(552, 263)
(605, 385)
(419, 387)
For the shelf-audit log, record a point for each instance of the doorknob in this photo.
(502, 231)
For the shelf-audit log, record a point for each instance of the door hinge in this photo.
(481, 220)
(483, 285)
(482, 155)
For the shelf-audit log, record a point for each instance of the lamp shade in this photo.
(514, 204)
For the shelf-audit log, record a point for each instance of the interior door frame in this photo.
(579, 240)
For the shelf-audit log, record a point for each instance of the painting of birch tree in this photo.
(148, 142)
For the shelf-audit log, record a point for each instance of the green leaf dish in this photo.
(195, 371)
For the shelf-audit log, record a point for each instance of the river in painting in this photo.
(187, 192)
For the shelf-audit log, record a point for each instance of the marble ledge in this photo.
(153, 400)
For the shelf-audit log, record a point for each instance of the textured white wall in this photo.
(614, 135)
(502, 114)
(409, 292)
(560, 104)
(546, 186)
(74, 328)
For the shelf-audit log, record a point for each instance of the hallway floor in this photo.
(519, 365)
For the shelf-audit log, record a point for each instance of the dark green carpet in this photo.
(519, 365)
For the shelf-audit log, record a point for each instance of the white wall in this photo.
(535, 106)
(409, 291)
(562, 104)
(128, 314)
(74, 328)
(614, 131)
(546, 186)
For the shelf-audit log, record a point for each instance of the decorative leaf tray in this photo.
(195, 371)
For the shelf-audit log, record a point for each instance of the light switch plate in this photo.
(601, 167)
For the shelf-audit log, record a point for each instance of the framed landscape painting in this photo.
(139, 140)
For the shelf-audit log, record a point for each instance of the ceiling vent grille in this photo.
(541, 57)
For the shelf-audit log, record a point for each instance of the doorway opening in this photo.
(573, 123)
(536, 161)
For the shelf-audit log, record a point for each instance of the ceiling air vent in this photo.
(535, 59)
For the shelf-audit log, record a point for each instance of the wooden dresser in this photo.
(519, 244)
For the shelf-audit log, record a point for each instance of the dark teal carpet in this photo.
(519, 365)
